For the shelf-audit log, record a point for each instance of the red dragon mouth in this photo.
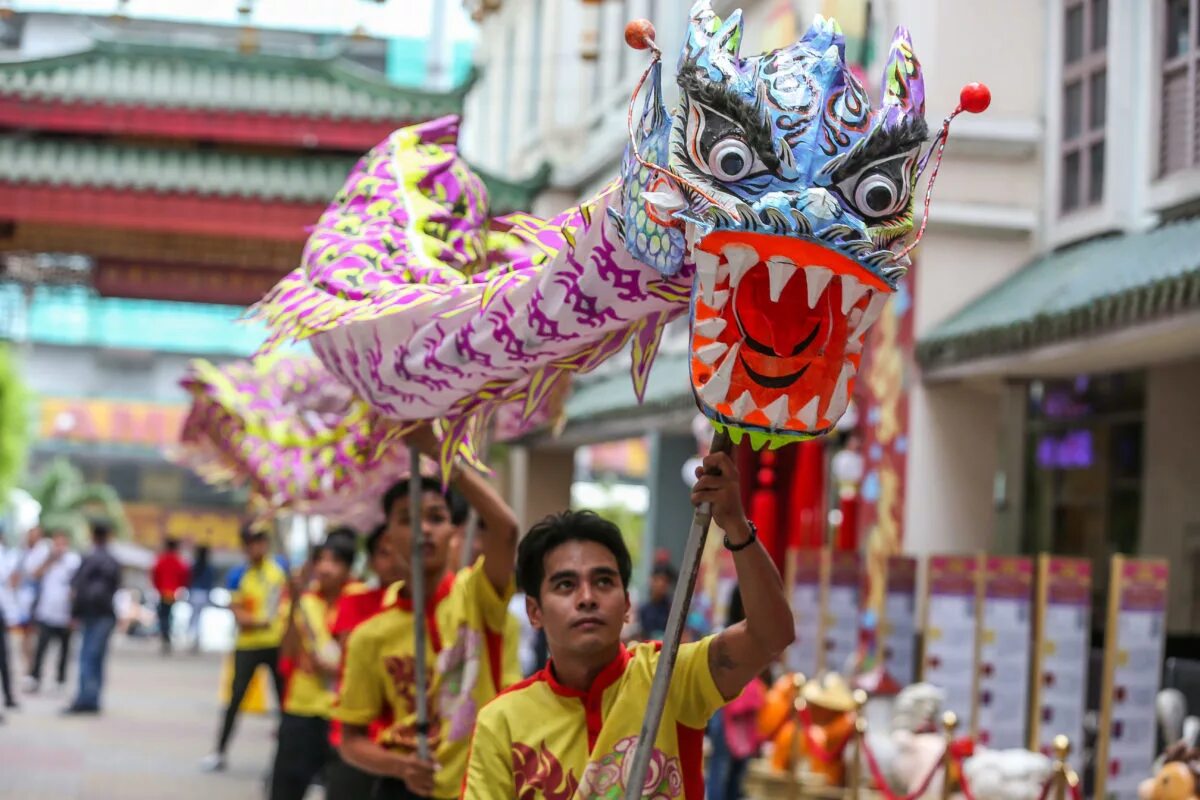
(777, 330)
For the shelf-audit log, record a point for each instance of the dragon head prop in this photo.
(794, 197)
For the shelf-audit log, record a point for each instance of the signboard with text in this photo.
(1004, 649)
(948, 660)
(840, 631)
(1133, 652)
(1062, 638)
(898, 627)
(804, 654)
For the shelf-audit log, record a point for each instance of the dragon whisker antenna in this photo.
(974, 99)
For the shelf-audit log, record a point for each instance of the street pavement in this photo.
(160, 718)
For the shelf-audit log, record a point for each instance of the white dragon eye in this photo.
(730, 159)
(877, 196)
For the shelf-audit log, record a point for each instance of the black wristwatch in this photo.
(733, 548)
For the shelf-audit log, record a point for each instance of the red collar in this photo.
(439, 594)
(607, 677)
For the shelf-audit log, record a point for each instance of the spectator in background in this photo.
(25, 586)
(93, 587)
(169, 575)
(199, 589)
(53, 564)
(9, 559)
(652, 616)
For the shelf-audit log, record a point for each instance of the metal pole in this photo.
(1062, 750)
(417, 577)
(860, 731)
(671, 638)
(950, 722)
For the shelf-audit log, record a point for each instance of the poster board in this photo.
(1062, 641)
(841, 621)
(949, 655)
(805, 570)
(1133, 652)
(898, 623)
(1005, 642)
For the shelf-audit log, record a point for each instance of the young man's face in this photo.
(385, 562)
(582, 606)
(330, 572)
(61, 542)
(660, 587)
(436, 529)
(256, 549)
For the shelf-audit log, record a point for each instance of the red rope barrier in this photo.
(815, 748)
(881, 782)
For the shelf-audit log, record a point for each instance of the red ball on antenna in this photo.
(639, 34)
(975, 97)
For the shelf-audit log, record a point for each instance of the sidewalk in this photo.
(161, 717)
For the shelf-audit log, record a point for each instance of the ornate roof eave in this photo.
(507, 195)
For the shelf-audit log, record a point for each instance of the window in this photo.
(1084, 103)
(535, 64)
(1179, 134)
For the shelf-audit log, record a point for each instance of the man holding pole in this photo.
(568, 730)
(465, 616)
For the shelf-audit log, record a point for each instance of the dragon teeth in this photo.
(777, 412)
(707, 266)
(709, 353)
(711, 328)
(852, 290)
(854, 346)
(869, 317)
(817, 278)
(780, 270)
(841, 394)
(740, 259)
(667, 201)
(808, 414)
(717, 387)
(743, 405)
(718, 300)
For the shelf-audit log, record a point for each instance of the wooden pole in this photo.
(417, 578)
(680, 604)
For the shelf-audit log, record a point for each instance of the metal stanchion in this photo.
(860, 730)
(1062, 749)
(798, 705)
(950, 723)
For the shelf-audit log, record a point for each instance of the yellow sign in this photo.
(152, 524)
(110, 421)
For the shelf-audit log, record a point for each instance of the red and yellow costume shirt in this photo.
(309, 693)
(466, 623)
(540, 740)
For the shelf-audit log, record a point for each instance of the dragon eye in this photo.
(877, 196)
(730, 159)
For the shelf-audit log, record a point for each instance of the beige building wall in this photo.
(1170, 521)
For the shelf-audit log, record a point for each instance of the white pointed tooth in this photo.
(709, 353)
(841, 394)
(667, 201)
(817, 278)
(717, 387)
(692, 235)
(741, 258)
(718, 300)
(777, 412)
(852, 290)
(853, 319)
(780, 270)
(706, 272)
(711, 328)
(743, 405)
(808, 414)
(854, 346)
(871, 315)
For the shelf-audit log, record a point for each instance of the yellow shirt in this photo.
(260, 590)
(468, 617)
(309, 694)
(540, 740)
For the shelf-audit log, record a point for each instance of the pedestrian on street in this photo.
(25, 586)
(199, 588)
(258, 588)
(53, 564)
(93, 587)
(170, 574)
(9, 559)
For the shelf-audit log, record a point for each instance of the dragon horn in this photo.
(821, 33)
(729, 37)
(703, 22)
(903, 91)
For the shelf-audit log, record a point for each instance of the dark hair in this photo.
(250, 535)
(666, 571)
(374, 538)
(454, 501)
(736, 612)
(341, 547)
(171, 545)
(101, 530)
(200, 563)
(558, 529)
(344, 532)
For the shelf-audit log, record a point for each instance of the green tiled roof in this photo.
(124, 73)
(307, 178)
(1094, 287)
(595, 398)
(76, 316)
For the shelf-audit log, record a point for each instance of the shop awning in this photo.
(1095, 288)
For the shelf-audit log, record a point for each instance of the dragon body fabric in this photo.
(769, 206)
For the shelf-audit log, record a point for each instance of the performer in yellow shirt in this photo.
(314, 657)
(258, 588)
(570, 730)
(466, 623)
